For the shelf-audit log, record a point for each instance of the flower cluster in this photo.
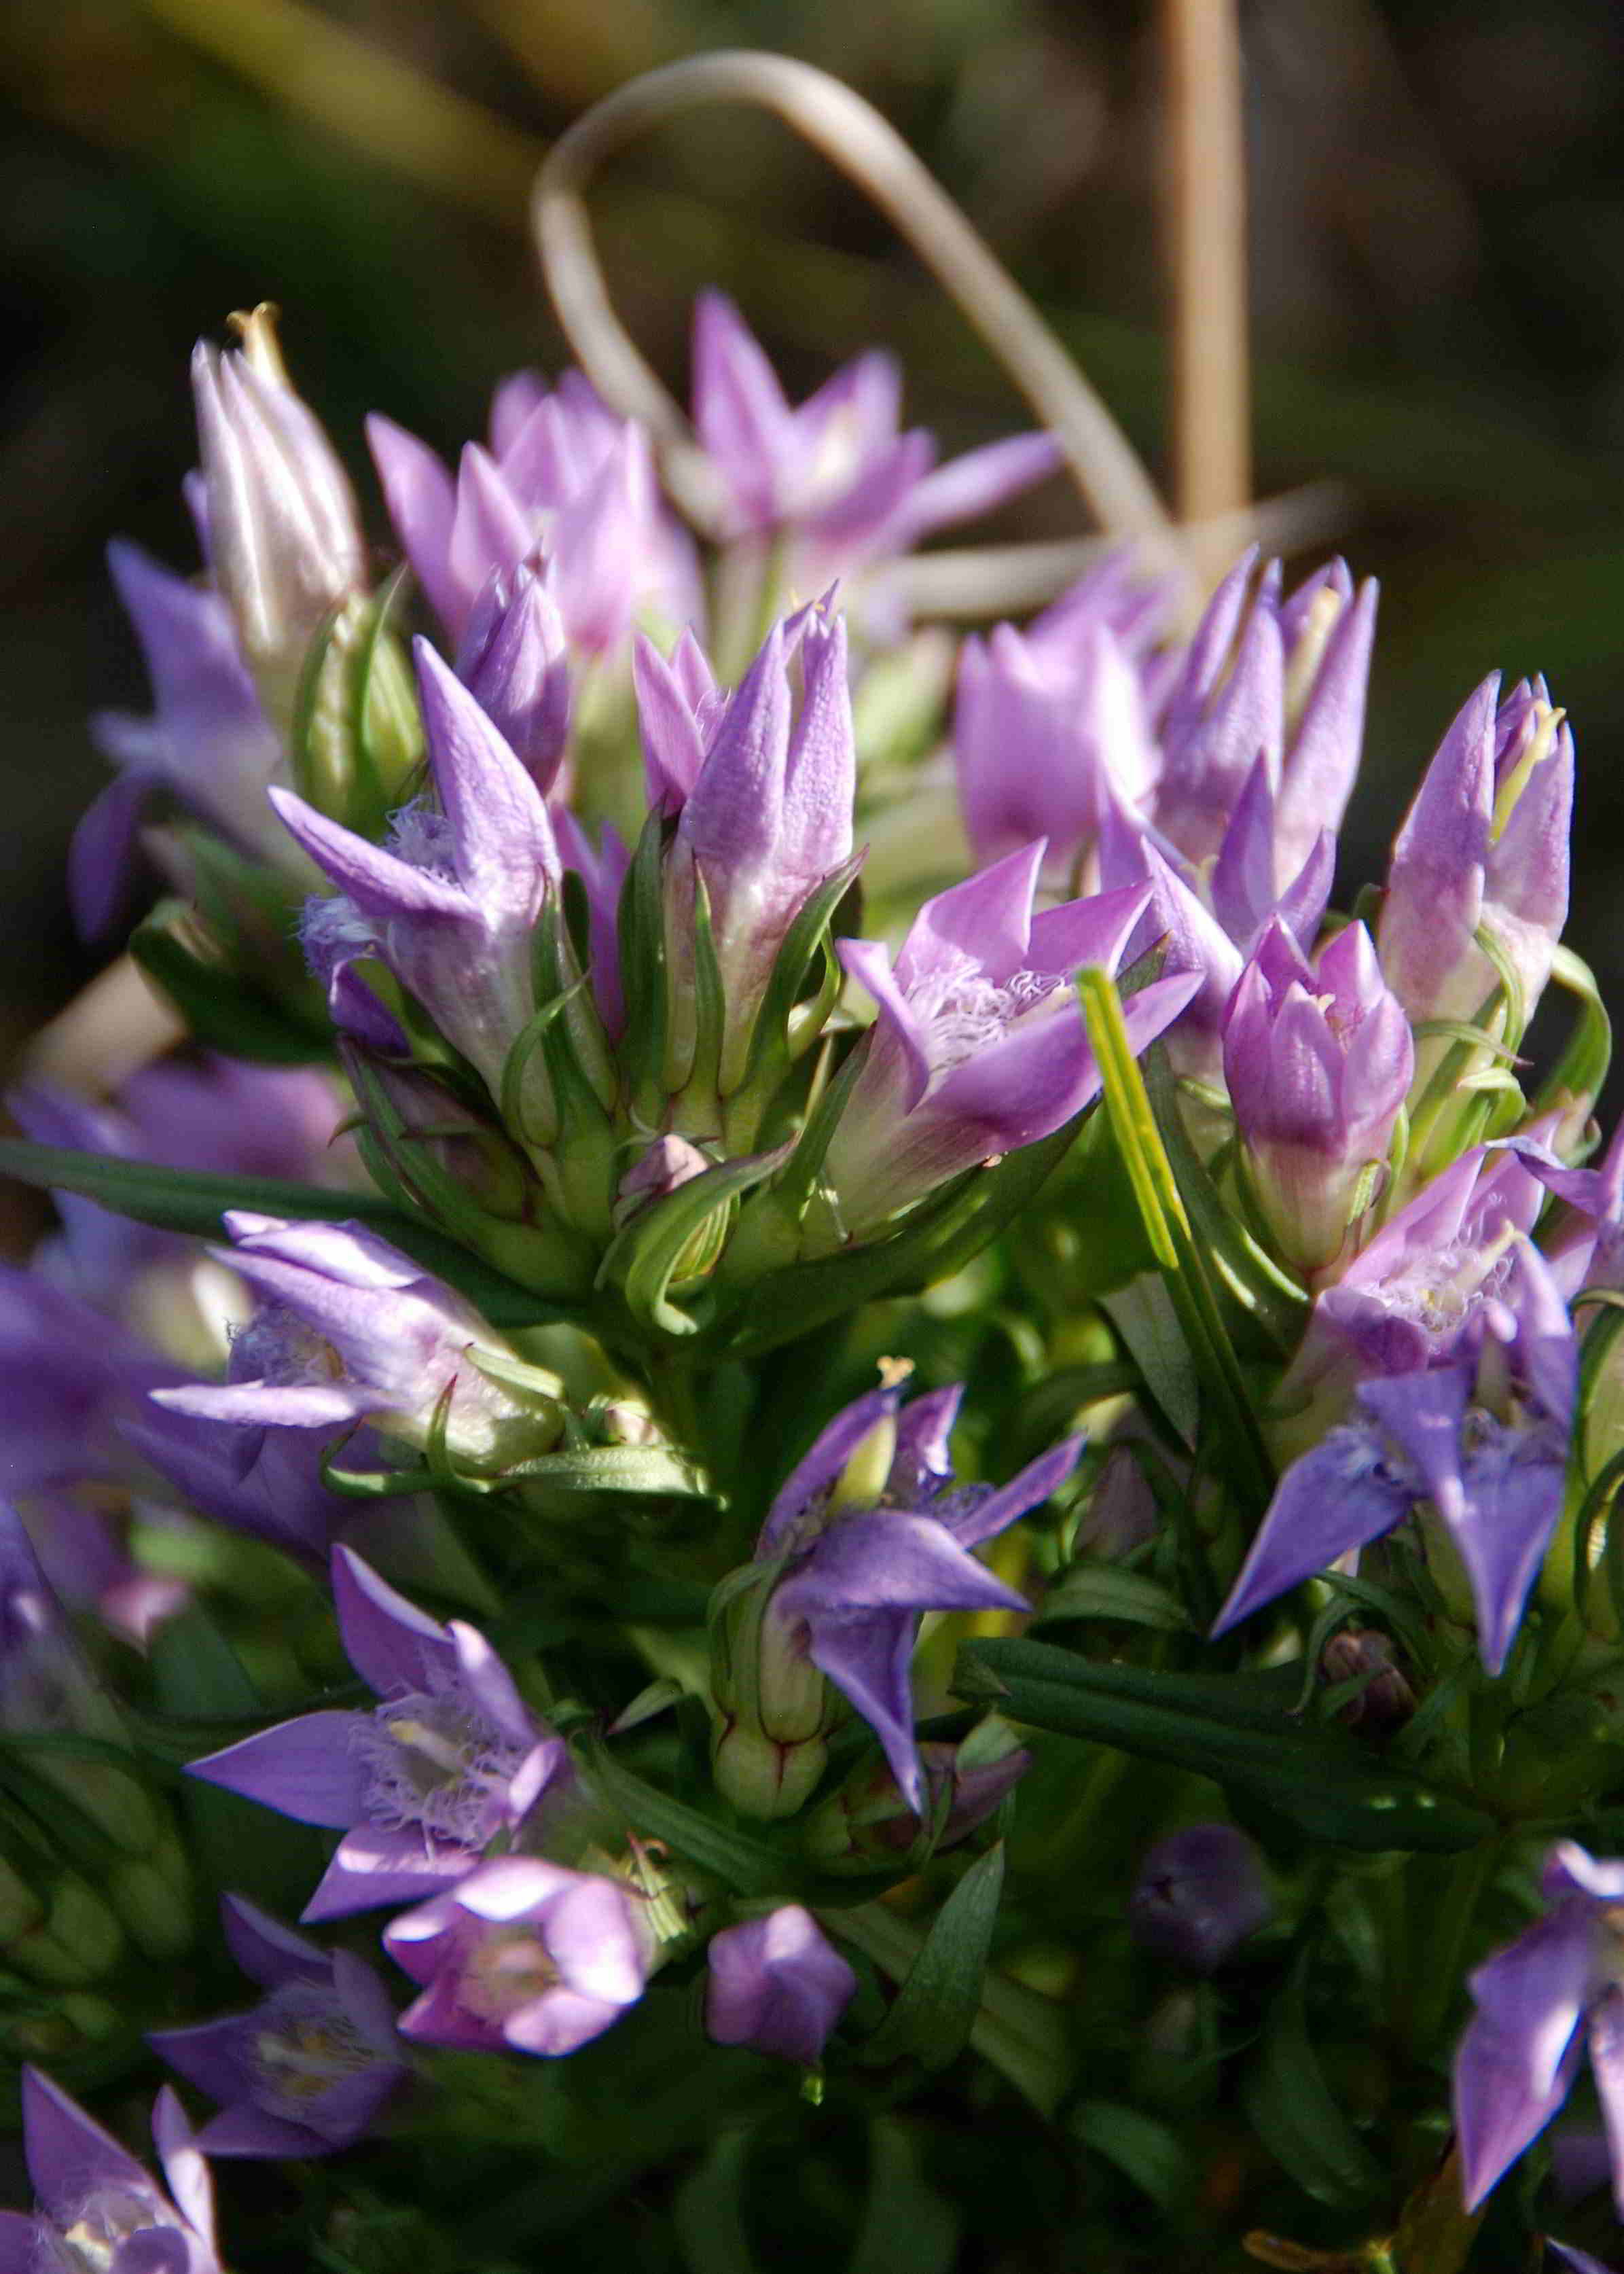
(446, 1418)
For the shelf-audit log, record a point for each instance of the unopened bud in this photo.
(774, 1707)
(868, 1823)
(1387, 1698)
(1201, 1891)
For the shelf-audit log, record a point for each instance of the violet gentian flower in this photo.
(1280, 680)
(1199, 1893)
(512, 659)
(208, 743)
(980, 1045)
(1484, 846)
(865, 1533)
(522, 1954)
(1482, 1436)
(1040, 732)
(308, 2070)
(776, 1984)
(353, 1330)
(97, 2208)
(564, 480)
(1542, 2003)
(836, 476)
(420, 1785)
(1317, 1059)
(284, 541)
(451, 907)
(767, 816)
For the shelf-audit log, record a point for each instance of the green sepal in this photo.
(641, 929)
(357, 732)
(1098, 1590)
(938, 2003)
(643, 1259)
(1238, 1729)
(609, 1480)
(780, 1034)
(1582, 1069)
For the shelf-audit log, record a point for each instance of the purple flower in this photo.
(1482, 1436)
(1542, 2003)
(1485, 846)
(284, 543)
(512, 660)
(1041, 730)
(420, 1785)
(353, 1330)
(307, 2071)
(865, 1533)
(837, 475)
(97, 2207)
(767, 816)
(1199, 1893)
(1318, 1060)
(450, 907)
(521, 1954)
(980, 1045)
(565, 481)
(776, 1984)
(1580, 2260)
(1280, 680)
(208, 742)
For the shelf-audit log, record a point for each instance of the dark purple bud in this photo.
(776, 1984)
(1200, 1893)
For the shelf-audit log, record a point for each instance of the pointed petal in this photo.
(379, 885)
(371, 1866)
(985, 1519)
(391, 1643)
(267, 1951)
(307, 1768)
(987, 918)
(69, 2155)
(421, 499)
(1338, 1496)
(869, 1660)
(819, 1466)
(506, 852)
(979, 481)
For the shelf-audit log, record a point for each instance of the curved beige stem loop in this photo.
(855, 137)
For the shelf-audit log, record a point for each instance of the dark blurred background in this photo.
(1437, 222)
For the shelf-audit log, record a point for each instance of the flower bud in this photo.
(1387, 1698)
(1318, 1060)
(775, 1708)
(284, 538)
(776, 1984)
(512, 659)
(1200, 1893)
(868, 1823)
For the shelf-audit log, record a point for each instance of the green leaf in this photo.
(908, 2226)
(195, 1201)
(748, 1865)
(938, 2003)
(1293, 2113)
(1581, 1068)
(1235, 1728)
(1150, 2153)
(1098, 1590)
(708, 2211)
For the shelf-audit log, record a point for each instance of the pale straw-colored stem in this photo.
(1205, 213)
(856, 138)
(111, 1030)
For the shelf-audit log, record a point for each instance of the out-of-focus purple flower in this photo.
(1580, 2260)
(1317, 1059)
(521, 1954)
(96, 2206)
(218, 1114)
(420, 1785)
(1485, 846)
(451, 907)
(865, 1533)
(68, 1377)
(1542, 2003)
(207, 743)
(1483, 1436)
(980, 1046)
(308, 2070)
(354, 1330)
(1283, 680)
(1199, 1893)
(835, 475)
(776, 1984)
(563, 481)
(768, 816)
(284, 542)
(512, 659)
(1041, 731)
(868, 1823)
